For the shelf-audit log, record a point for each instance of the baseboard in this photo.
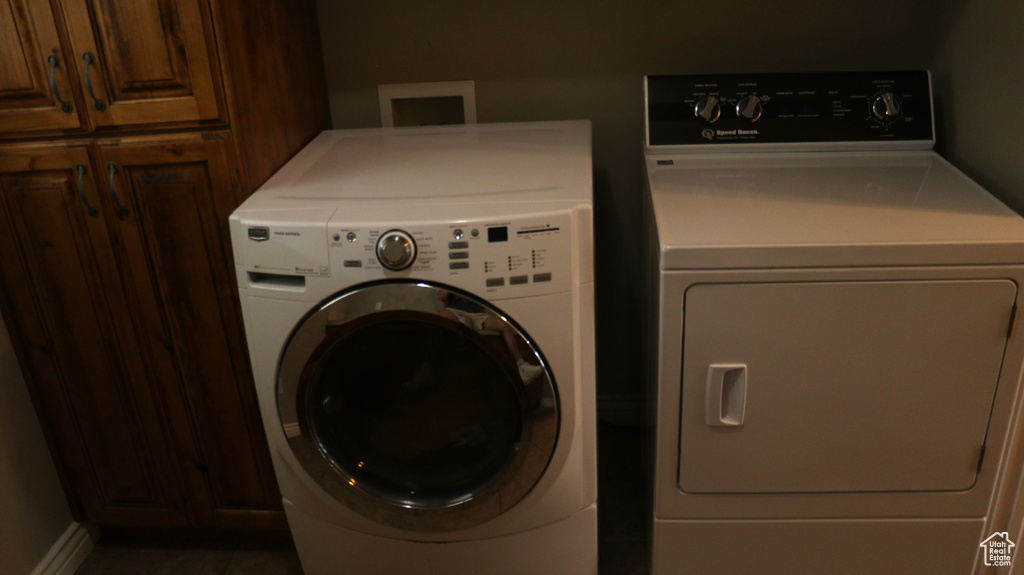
(68, 553)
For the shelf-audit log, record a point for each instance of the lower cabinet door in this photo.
(118, 289)
(64, 305)
(169, 202)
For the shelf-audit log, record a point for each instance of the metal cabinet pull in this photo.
(54, 61)
(122, 210)
(81, 192)
(89, 59)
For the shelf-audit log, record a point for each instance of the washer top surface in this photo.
(723, 211)
(483, 163)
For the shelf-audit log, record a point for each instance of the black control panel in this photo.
(789, 108)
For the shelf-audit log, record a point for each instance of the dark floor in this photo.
(620, 531)
(125, 555)
(621, 526)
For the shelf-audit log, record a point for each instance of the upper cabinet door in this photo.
(145, 61)
(35, 94)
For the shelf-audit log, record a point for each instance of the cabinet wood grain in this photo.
(115, 265)
(29, 47)
(57, 265)
(175, 265)
(143, 62)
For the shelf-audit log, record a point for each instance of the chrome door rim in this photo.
(360, 305)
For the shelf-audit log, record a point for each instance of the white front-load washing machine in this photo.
(837, 353)
(418, 304)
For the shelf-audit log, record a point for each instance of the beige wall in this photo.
(33, 510)
(570, 59)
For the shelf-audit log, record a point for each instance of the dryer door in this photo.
(417, 405)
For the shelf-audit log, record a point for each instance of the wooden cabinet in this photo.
(115, 264)
(173, 249)
(35, 80)
(123, 64)
(143, 62)
(60, 279)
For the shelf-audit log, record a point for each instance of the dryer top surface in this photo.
(437, 165)
(825, 209)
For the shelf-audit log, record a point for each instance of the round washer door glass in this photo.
(417, 405)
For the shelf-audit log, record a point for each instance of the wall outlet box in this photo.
(427, 104)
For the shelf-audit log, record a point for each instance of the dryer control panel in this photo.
(515, 257)
(863, 110)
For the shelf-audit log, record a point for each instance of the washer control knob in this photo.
(885, 106)
(396, 250)
(709, 108)
(749, 107)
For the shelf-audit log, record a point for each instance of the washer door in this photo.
(405, 402)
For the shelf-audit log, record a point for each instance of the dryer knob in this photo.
(886, 107)
(396, 250)
(709, 109)
(750, 108)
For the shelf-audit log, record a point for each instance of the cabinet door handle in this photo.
(89, 59)
(122, 210)
(54, 61)
(81, 192)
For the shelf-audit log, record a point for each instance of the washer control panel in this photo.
(516, 256)
(726, 110)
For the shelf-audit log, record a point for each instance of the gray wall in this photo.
(33, 510)
(570, 59)
(978, 73)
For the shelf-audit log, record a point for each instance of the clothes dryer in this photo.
(836, 349)
(419, 309)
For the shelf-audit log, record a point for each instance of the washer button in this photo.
(458, 245)
(544, 277)
(518, 280)
(495, 282)
(458, 255)
(458, 265)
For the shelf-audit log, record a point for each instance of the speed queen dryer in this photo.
(837, 349)
(419, 307)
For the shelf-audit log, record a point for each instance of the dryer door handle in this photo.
(726, 398)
